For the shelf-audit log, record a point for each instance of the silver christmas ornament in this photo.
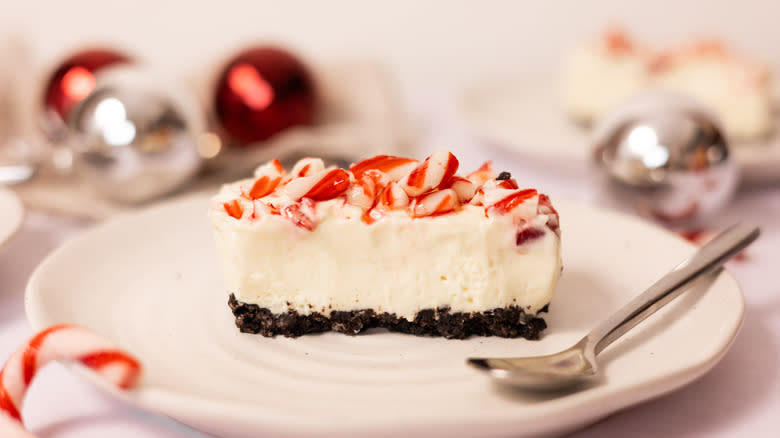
(666, 157)
(136, 136)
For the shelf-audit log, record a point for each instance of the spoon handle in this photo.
(708, 258)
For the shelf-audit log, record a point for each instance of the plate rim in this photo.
(629, 395)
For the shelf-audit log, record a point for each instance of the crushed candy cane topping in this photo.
(379, 186)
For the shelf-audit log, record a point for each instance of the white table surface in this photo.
(739, 397)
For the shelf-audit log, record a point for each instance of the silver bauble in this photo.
(666, 157)
(135, 137)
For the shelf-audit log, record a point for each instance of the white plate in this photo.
(149, 281)
(525, 115)
(11, 214)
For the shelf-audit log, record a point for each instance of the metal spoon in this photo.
(578, 363)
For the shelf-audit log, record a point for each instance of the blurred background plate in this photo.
(150, 282)
(525, 116)
(11, 214)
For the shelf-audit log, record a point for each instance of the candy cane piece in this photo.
(325, 185)
(307, 166)
(435, 171)
(267, 178)
(482, 175)
(394, 167)
(443, 201)
(392, 197)
(464, 188)
(63, 343)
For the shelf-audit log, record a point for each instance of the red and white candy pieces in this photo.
(435, 172)
(61, 343)
(377, 187)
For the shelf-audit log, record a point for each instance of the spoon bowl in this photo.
(550, 372)
(577, 363)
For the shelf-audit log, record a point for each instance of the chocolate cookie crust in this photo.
(510, 322)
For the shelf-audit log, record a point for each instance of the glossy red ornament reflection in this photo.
(261, 92)
(74, 78)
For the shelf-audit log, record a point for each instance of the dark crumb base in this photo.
(510, 322)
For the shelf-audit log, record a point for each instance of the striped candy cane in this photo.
(63, 343)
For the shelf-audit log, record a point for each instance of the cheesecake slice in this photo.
(606, 72)
(390, 242)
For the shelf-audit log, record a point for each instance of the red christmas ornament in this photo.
(261, 92)
(74, 79)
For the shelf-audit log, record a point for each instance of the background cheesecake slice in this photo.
(392, 243)
(603, 73)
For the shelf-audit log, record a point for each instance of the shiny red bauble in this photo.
(261, 92)
(74, 78)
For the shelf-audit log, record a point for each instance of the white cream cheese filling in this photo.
(465, 261)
